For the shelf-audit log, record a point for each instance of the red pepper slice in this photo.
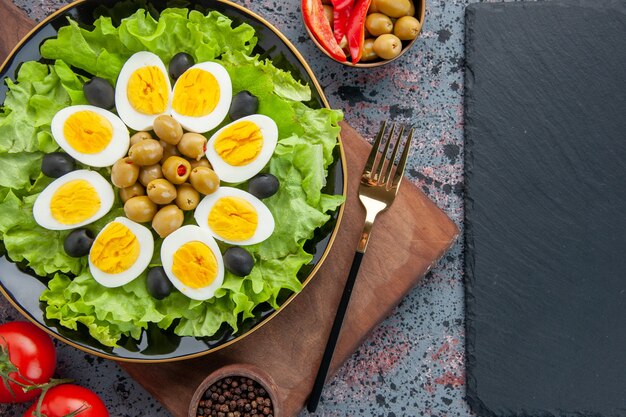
(341, 14)
(316, 21)
(356, 29)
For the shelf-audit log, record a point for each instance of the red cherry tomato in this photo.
(30, 350)
(68, 399)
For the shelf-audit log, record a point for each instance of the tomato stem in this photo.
(7, 368)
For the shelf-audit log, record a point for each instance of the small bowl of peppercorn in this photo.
(239, 390)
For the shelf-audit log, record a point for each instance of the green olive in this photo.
(124, 173)
(146, 152)
(373, 7)
(187, 197)
(140, 209)
(368, 51)
(411, 11)
(168, 150)
(394, 8)
(168, 129)
(138, 137)
(176, 169)
(204, 180)
(329, 13)
(134, 190)
(192, 145)
(201, 163)
(161, 191)
(150, 173)
(387, 46)
(378, 24)
(407, 28)
(167, 220)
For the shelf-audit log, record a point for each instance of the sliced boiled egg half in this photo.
(193, 263)
(73, 200)
(142, 91)
(120, 252)
(91, 135)
(235, 216)
(241, 149)
(202, 97)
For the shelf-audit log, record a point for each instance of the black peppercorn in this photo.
(235, 397)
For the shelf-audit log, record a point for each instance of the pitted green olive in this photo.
(161, 191)
(138, 137)
(146, 152)
(168, 129)
(201, 163)
(150, 173)
(168, 150)
(124, 173)
(140, 209)
(204, 180)
(176, 169)
(167, 220)
(134, 190)
(192, 145)
(187, 198)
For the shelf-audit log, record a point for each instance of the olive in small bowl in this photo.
(404, 31)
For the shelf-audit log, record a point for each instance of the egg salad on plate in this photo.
(158, 172)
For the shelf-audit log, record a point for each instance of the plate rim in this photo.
(311, 274)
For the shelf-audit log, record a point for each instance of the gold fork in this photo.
(379, 186)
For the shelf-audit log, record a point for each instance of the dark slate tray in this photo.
(546, 208)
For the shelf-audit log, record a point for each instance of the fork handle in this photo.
(318, 385)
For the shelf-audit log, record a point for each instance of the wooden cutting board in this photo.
(407, 241)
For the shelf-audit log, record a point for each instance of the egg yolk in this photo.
(197, 93)
(195, 265)
(147, 90)
(88, 132)
(74, 202)
(233, 219)
(115, 250)
(240, 143)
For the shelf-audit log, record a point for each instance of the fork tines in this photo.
(380, 168)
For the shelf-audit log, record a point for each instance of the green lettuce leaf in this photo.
(104, 50)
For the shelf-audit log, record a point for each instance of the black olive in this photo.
(238, 261)
(78, 243)
(179, 64)
(244, 104)
(100, 93)
(57, 164)
(158, 284)
(263, 185)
